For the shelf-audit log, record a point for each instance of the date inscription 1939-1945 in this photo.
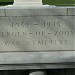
(45, 32)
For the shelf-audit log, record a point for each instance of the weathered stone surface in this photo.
(38, 57)
(40, 29)
(71, 11)
(35, 11)
(2, 13)
(37, 29)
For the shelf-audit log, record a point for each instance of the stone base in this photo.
(48, 40)
(27, 4)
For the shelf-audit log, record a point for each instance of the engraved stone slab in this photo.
(30, 30)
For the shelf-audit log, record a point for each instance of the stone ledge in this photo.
(37, 57)
(42, 10)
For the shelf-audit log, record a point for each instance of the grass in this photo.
(50, 2)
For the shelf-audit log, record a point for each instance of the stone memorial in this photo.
(34, 33)
(36, 29)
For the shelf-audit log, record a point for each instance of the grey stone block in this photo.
(37, 29)
(2, 12)
(71, 11)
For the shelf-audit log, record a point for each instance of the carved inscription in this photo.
(36, 33)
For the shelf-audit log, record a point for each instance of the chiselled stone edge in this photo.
(36, 66)
(15, 11)
(37, 57)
